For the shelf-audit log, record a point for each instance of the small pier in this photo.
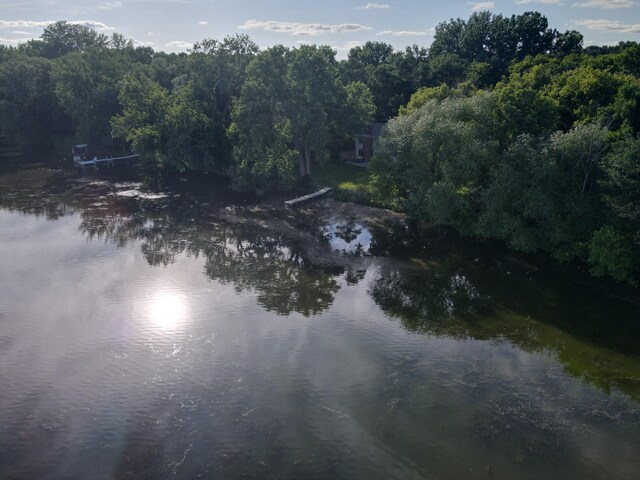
(300, 200)
(110, 161)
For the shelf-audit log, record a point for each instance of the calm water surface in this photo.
(158, 336)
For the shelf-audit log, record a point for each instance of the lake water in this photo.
(164, 336)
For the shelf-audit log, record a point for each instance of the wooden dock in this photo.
(108, 160)
(311, 196)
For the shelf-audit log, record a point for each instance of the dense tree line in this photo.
(503, 128)
(178, 110)
(548, 159)
(260, 117)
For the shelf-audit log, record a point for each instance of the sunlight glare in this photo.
(167, 310)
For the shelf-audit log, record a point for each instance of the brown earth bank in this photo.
(56, 193)
(306, 225)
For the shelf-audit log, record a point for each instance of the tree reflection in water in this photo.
(250, 258)
(441, 286)
(489, 298)
(422, 302)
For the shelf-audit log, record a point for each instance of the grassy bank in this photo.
(349, 183)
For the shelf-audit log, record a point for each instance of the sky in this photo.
(174, 25)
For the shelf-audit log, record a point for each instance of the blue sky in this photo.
(173, 25)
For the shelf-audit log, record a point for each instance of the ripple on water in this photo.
(211, 364)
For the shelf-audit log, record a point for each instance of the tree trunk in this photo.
(304, 161)
(303, 166)
(308, 160)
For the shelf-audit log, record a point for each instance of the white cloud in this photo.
(92, 24)
(374, 6)
(14, 41)
(109, 5)
(179, 44)
(600, 44)
(42, 24)
(341, 50)
(307, 29)
(349, 45)
(606, 4)
(609, 26)
(138, 43)
(24, 24)
(402, 33)
(203, 23)
(546, 2)
(482, 5)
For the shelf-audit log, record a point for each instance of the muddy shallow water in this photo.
(147, 335)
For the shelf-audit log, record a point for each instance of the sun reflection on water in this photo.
(167, 310)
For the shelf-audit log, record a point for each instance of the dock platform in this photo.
(108, 160)
(300, 200)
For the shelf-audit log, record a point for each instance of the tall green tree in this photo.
(143, 121)
(62, 37)
(489, 43)
(29, 110)
(263, 155)
(291, 107)
(586, 93)
(433, 162)
(615, 249)
(87, 86)
(391, 76)
(542, 192)
(214, 75)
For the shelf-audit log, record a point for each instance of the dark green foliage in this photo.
(61, 38)
(448, 68)
(492, 166)
(292, 105)
(568, 42)
(616, 249)
(506, 129)
(611, 253)
(261, 131)
(143, 120)
(621, 183)
(177, 111)
(433, 161)
(541, 193)
(391, 76)
(484, 46)
(215, 74)
(29, 110)
(87, 86)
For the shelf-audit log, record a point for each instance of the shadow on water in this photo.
(439, 284)
(434, 284)
(469, 291)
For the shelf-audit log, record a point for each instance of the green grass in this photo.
(340, 176)
(349, 183)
